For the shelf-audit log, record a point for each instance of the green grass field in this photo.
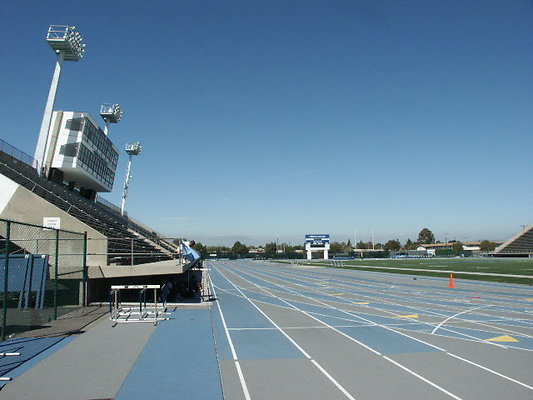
(458, 265)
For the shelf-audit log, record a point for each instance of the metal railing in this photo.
(133, 251)
(18, 154)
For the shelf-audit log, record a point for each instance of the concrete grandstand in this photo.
(118, 246)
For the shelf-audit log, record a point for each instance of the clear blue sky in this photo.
(265, 118)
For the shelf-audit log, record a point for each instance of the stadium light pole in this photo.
(132, 150)
(68, 44)
(112, 114)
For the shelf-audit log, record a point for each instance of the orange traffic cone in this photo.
(451, 285)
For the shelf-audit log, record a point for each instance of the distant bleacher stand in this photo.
(520, 245)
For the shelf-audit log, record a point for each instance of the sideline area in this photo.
(175, 359)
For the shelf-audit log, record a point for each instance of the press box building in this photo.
(80, 153)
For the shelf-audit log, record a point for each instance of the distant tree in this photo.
(362, 245)
(393, 245)
(200, 248)
(239, 248)
(487, 245)
(457, 246)
(218, 249)
(409, 245)
(270, 247)
(336, 247)
(426, 236)
(349, 245)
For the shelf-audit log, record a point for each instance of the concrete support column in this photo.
(42, 142)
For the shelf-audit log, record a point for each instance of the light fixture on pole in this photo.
(68, 44)
(133, 149)
(111, 113)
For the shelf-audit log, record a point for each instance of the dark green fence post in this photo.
(85, 271)
(56, 273)
(6, 270)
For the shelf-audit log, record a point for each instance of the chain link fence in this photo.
(43, 275)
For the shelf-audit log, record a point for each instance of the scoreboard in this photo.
(317, 240)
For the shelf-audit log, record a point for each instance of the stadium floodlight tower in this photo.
(68, 44)
(133, 149)
(111, 113)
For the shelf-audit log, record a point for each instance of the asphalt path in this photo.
(293, 332)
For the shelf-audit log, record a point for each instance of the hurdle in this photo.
(337, 263)
(145, 313)
(12, 354)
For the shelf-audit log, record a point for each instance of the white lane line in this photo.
(422, 378)
(479, 340)
(232, 348)
(453, 316)
(369, 348)
(490, 370)
(343, 285)
(334, 280)
(326, 374)
(421, 341)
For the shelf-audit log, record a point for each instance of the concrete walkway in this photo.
(93, 366)
(176, 359)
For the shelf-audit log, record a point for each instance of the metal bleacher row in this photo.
(125, 237)
(520, 244)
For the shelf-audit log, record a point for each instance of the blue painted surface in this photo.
(264, 298)
(345, 321)
(219, 280)
(33, 350)
(414, 326)
(522, 323)
(331, 312)
(178, 362)
(255, 279)
(221, 340)
(240, 313)
(263, 344)
(385, 341)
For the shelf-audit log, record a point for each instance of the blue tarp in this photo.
(27, 273)
(189, 253)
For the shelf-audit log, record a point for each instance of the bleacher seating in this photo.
(124, 236)
(519, 245)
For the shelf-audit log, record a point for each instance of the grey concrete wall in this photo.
(25, 206)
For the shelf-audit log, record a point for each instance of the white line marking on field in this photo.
(453, 316)
(421, 341)
(410, 319)
(232, 348)
(369, 348)
(333, 380)
(422, 378)
(490, 370)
